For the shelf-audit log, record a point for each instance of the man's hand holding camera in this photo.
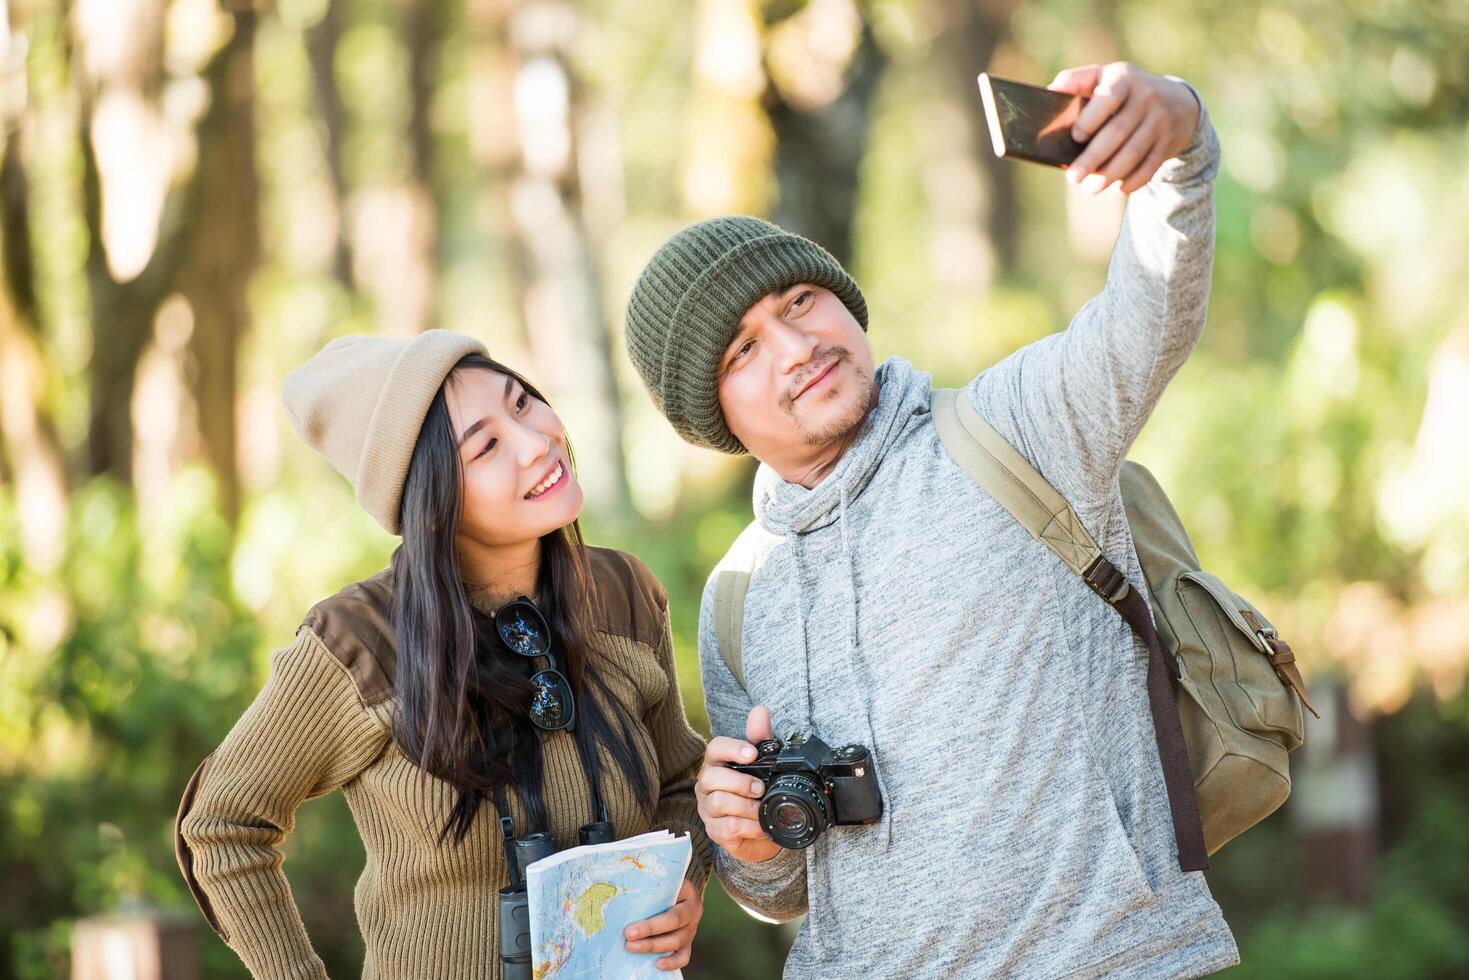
(801, 786)
(729, 801)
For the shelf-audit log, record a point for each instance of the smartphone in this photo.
(1028, 122)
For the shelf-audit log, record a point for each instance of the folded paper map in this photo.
(581, 900)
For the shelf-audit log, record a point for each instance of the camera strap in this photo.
(507, 836)
(507, 826)
(587, 755)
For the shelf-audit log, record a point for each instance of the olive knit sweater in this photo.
(323, 721)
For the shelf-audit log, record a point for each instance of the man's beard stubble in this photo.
(843, 425)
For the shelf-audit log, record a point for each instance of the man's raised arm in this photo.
(1074, 402)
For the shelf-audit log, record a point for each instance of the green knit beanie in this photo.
(687, 306)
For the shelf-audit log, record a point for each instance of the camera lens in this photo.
(596, 833)
(794, 811)
(789, 818)
(515, 955)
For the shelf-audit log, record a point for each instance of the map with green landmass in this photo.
(589, 906)
(583, 898)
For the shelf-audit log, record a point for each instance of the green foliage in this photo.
(101, 732)
(102, 729)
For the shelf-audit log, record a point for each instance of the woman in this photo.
(423, 692)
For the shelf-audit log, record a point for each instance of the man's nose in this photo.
(793, 346)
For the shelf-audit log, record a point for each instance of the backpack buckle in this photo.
(1283, 659)
(1275, 648)
(1106, 580)
(1265, 635)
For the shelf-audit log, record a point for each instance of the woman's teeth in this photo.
(545, 484)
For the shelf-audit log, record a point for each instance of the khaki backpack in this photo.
(1223, 688)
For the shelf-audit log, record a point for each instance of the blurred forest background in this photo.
(198, 194)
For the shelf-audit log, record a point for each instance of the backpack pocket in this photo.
(1240, 719)
(1228, 655)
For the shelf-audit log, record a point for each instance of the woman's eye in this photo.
(487, 447)
(522, 402)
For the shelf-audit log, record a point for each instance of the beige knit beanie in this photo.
(361, 403)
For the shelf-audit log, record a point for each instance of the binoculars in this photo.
(515, 949)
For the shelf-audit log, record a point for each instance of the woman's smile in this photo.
(550, 483)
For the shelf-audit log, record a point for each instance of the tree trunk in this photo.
(122, 320)
(819, 150)
(123, 299)
(223, 253)
(123, 309)
(422, 30)
(30, 456)
(321, 53)
(971, 33)
(561, 297)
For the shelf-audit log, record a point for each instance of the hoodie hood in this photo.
(788, 508)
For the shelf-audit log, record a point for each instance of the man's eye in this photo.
(737, 357)
(801, 299)
(488, 446)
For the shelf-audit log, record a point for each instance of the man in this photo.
(1026, 829)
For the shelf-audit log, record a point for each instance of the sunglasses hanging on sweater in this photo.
(523, 630)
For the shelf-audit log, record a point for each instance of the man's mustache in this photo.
(822, 362)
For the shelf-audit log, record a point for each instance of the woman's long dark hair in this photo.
(464, 705)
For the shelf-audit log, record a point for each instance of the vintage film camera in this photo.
(810, 786)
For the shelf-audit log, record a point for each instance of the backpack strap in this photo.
(1004, 474)
(731, 583)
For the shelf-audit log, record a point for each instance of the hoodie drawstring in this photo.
(858, 683)
(808, 702)
(862, 684)
(791, 511)
(813, 930)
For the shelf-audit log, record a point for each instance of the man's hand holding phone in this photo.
(729, 801)
(1133, 121)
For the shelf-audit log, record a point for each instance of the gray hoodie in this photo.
(1026, 829)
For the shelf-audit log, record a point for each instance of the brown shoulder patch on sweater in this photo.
(631, 601)
(356, 625)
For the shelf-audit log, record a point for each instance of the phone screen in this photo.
(1030, 122)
